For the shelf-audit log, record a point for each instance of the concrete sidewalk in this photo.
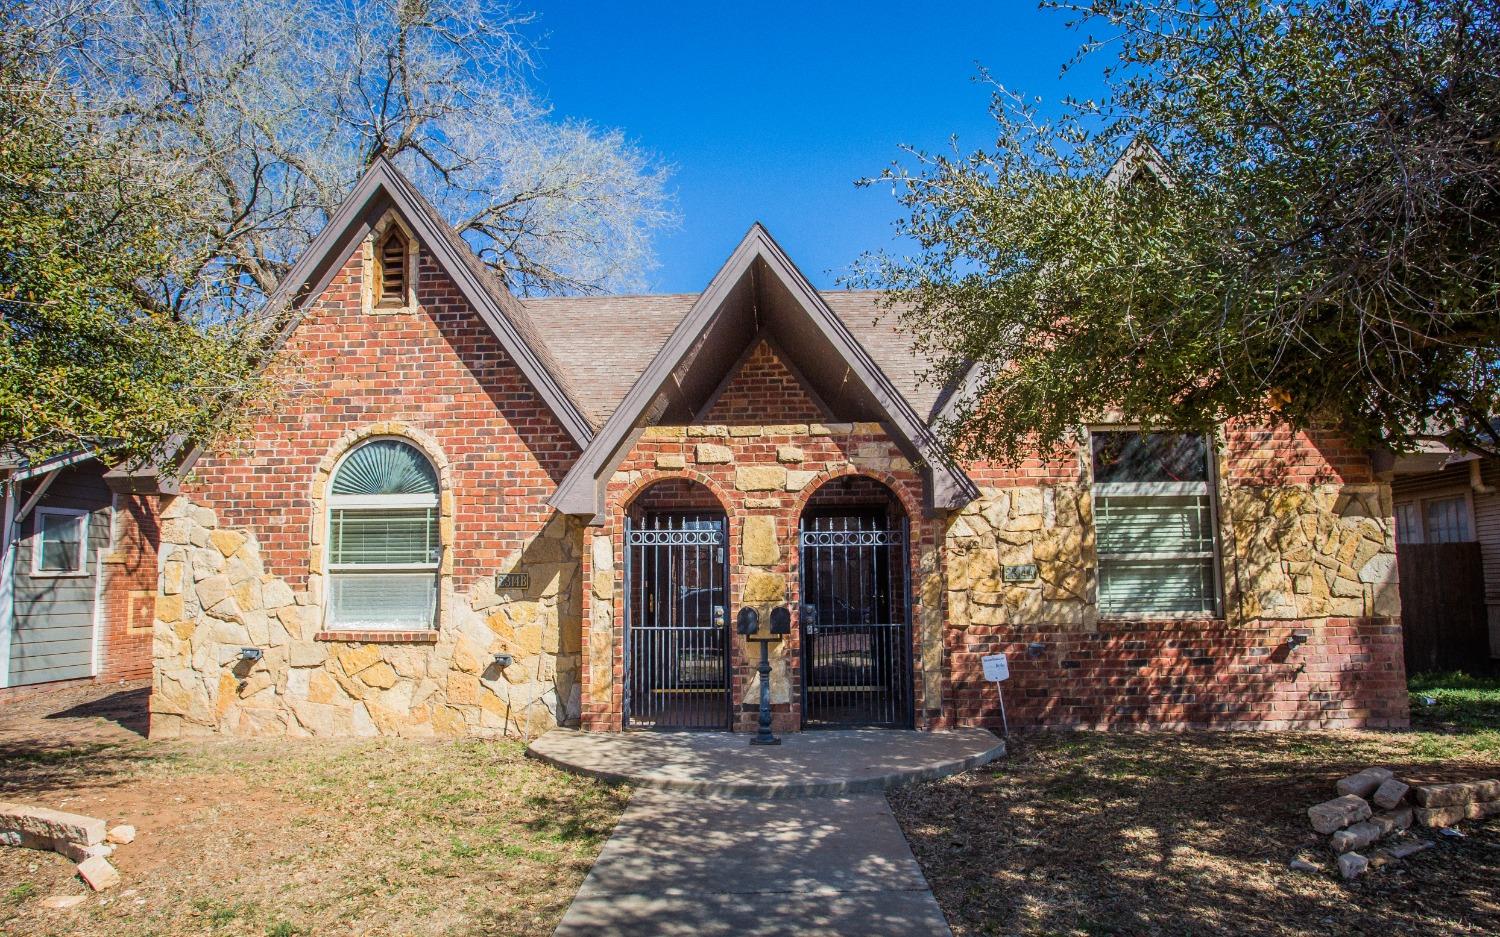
(682, 863)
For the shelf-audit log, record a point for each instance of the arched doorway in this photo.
(855, 621)
(676, 623)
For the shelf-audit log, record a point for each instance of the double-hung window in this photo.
(60, 547)
(1154, 525)
(383, 547)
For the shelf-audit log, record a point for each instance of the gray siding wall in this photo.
(53, 636)
(1486, 524)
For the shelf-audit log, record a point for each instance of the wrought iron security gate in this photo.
(855, 621)
(676, 627)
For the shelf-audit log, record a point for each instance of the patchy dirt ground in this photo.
(287, 838)
(1088, 833)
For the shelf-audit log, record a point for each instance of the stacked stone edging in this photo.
(1442, 805)
(80, 838)
(1352, 824)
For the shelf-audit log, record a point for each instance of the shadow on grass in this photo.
(1180, 834)
(127, 709)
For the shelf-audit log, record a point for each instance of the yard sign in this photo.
(997, 668)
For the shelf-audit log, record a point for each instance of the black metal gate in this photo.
(855, 621)
(676, 628)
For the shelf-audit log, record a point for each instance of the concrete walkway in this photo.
(722, 838)
(704, 866)
(806, 764)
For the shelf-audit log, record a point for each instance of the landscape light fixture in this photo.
(251, 653)
(504, 660)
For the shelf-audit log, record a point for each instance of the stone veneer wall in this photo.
(241, 559)
(1314, 555)
(762, 475)
(216, 598)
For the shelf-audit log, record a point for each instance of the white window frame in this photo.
(38, 532)
(1419, 500)
(1159, 489)
(335, 503)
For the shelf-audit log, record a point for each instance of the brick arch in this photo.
(894, 485)
(635, 489)
(426, 444)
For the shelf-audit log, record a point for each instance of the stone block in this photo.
(124, 834)
(708, 453)
(1362, 834)
(760, 477)
(1352, 865)
(213, 590)
(227, 542)
(744, 431)
(760, 546)
(762, 587)
(1389, 794)
(1338, 813)
(671, 461)
(1364, 783)
(46, 823)
(1026, 502)
(97, 873)
(1434, 817)
(797, 480)
(275, 593)
(62, 902)
(789, 454)
(1448, 795)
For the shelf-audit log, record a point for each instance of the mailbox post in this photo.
(747, 623)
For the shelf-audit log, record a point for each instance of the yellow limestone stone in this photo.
(169, 607)
(227, 541)
(760, 545)
(761, 587)
(380, 674)
(760, 477)
(358, 657)
(712, 454)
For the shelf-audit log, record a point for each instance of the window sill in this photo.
(1159, 619)
(379, 637)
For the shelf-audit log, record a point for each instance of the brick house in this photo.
(472, 514)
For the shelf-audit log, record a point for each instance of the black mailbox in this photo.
(781, 620)
(747, 622)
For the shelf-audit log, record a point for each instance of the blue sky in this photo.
(768, 111)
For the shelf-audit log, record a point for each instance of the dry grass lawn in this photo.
(1152, 833)
(284, 838)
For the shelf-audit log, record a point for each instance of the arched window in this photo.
(390, 269)
(383, 547)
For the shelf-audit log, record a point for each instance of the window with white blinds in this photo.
(1154, 524)
(383, 546)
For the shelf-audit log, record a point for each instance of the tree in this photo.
(1316, 245)
(83, 364)
(271, 109)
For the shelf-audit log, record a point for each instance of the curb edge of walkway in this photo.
(790, 789)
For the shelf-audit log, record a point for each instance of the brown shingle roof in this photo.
(603, 343)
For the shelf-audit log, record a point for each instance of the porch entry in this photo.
(855, 617)
(676, 621)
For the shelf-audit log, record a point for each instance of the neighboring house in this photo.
(1447, 513)
(57, 552)
(473, 514)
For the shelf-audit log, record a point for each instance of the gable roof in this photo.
(383, 188)
(757, 288)
(601, 373)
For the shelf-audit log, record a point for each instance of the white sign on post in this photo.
(996, 667)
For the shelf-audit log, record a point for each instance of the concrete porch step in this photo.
(823, 763)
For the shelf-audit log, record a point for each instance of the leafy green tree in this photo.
(1309, 238)
(86, 360)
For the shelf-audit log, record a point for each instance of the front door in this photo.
(855, 620)
(676, 622)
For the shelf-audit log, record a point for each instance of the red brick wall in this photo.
(440, 370)
(1349, 675)
(129, 591)
(764, 390)
(1259, 455)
